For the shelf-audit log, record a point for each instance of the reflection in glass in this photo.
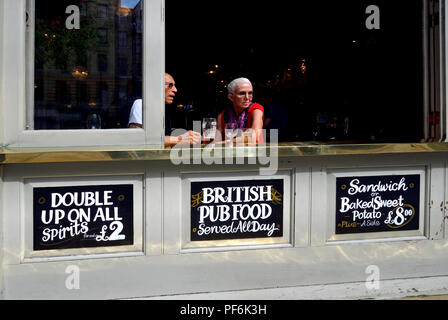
(87, 63)
(231, 132)
(93, 121)
(208, 129)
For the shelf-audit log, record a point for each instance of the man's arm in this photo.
(190, 137)
(171, 141)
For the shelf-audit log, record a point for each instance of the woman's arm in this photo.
(256, 121)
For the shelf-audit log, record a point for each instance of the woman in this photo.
(243, 114)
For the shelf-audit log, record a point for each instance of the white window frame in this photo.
(435, 31)
(16, 65)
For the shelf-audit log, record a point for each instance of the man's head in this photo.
(170, 89)
(240, 93)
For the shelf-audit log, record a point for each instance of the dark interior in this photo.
(359, 84)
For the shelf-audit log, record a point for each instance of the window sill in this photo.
(294, 149)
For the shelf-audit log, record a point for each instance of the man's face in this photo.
(242, 97)
(170, 89)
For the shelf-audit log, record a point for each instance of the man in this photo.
(135, 118)
(242, 114)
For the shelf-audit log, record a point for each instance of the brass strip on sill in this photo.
(120, 153)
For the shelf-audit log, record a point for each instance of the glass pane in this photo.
(88, 63)
(323, 70)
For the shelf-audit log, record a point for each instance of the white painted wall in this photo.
(162, 268)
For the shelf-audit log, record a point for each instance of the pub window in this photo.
(72, 80)
(327, 71)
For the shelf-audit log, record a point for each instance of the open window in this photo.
(354, 71)
(351, 71)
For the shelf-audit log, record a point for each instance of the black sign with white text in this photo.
(377, 203)
(222, 210)
(83, 216)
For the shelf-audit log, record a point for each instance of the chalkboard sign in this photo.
(222, 210)
(82, 216)
(377, 203)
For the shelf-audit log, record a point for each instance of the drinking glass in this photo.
(208, 129)
(247, 137)
(231, 132)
